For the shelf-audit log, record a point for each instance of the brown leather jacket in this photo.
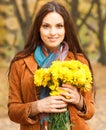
(22, 92)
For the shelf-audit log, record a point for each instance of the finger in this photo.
(65, 90)
(60, 103)
(58, 98)
(66, 94)
(56, 110)
(71, 100)
(68, 86)
(57, 106)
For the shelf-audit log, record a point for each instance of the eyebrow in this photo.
(50, 23)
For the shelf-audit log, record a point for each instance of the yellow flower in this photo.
(56, 92)
(41, 77)
(69, 72)
(52, 87)
(46, 78)
(86, 88)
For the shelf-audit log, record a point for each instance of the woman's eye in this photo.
(45, 26)
(60, 25)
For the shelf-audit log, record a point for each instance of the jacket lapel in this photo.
(31, 63)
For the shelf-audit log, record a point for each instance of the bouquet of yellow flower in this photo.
(63, 72)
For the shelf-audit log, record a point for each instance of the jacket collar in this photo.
(31, 63)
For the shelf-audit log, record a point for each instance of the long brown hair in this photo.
(34, 38)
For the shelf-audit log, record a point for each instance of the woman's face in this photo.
(52, 30)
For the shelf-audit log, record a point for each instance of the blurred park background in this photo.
(89, 16)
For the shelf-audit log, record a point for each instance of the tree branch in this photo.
(26, 11)
(17, 12)
(3, 2)
(87, 15)
(91, 28)
(35, 7)
(68, 2)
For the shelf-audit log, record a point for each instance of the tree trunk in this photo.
(101, 23)
(102, 44)
(74, 10)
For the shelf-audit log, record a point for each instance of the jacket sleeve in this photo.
(18, 111)
(88, 98)
(88, 111)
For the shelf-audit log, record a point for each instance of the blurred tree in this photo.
(101, 30)
(74, 9)
(89, 16)
(3, 34)
(98, 26)
(26, 20)
(2, 29)
(5, 47)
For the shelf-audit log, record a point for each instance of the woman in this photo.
(53, 36)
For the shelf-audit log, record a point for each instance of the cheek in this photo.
(43, 33)
(43, 36)
(62, 32)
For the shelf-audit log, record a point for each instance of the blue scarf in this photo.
(42, 60)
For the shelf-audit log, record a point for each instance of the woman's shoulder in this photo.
(25, 63)
(21, 61)
(81, 57)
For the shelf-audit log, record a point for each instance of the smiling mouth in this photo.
(52, 38)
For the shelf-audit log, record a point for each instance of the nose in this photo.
(53, 31)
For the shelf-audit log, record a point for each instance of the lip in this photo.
(52, 38)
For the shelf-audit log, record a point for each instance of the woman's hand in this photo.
(72, 95)
(57, 104)
(52, 104)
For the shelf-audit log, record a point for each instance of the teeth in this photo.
(52, 38)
